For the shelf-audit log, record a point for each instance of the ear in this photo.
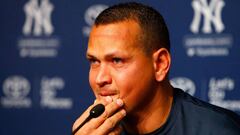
(162, 61)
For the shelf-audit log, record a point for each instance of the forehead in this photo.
(123, 28)
(127, 31)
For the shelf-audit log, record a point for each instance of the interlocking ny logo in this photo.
(211, 13)
(38, 17)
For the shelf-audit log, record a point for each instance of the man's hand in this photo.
(107, 123)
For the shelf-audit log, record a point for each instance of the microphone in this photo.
(96, 111)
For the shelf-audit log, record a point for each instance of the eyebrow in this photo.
(110, 55)
(88, 56)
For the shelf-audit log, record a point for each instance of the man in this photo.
(129, 54)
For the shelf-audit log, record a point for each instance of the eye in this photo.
(93, 62)
(117, 60)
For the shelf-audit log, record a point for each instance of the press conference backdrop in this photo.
(44, 74)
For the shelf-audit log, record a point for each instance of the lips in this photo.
(107, 93)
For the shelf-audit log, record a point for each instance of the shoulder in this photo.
(196, 112)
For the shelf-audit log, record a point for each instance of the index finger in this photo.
(85, 114)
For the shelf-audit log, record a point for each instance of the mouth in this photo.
(106, 93)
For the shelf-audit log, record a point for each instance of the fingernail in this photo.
(124, 112)
(95, 101)
(119, 102)
(108, 99)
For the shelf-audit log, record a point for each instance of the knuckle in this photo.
(85, 130)
(105, 114)
(113, 106)
(111, 122)
(120, 115)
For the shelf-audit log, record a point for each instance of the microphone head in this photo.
(97, 110)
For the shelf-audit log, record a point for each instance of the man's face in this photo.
(118, 66)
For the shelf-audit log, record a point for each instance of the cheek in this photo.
(123, 81)
(127, 84)
(134, 85)
(132, 93)
(91, 78)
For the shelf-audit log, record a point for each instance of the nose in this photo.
(103, 76)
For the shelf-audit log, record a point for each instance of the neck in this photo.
(154, 115)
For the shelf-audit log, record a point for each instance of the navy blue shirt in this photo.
(191, 116)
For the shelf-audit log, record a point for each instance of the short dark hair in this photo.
(154, 34)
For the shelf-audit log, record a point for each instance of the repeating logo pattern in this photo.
(208, 32)
(210, 12)
(38, 17)
(206, 42)
(37, 40)
(49, 99)
(184, 83)
(218, 89)
(90, 15)
(16, 90)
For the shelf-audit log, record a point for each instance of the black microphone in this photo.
(94, 113)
